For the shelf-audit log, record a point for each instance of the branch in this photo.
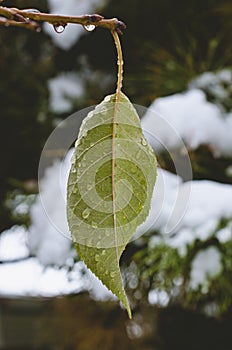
(31, 18)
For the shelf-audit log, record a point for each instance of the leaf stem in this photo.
(117, 99)
(119, 62)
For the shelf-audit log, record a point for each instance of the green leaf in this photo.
(110, 185)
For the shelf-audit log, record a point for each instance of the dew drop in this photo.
(77, 143)
(97, 257)
(104, 252)
(134, 170)
(31, 10)
(85, 213)
(107, 99)
(89, 27)
(112, 274)
(106, 272)
(138, 154)
(143, 142)
(91, 114)
(73, 159)
(94, 225)
(74, 170)
(59, 28)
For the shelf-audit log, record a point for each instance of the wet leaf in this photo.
(110, 186)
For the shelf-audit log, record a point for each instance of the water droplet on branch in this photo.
(31, 10)
(89, 27)
(59, 28)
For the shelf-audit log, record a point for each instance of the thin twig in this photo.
(31, 18)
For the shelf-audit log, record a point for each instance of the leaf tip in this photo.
(129, 312)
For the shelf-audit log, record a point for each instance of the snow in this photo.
(30, 278)
(216, 84)
(158, 297)
(49, 236)
(13, 243)
(225, 234)
(164, 199)
(206, 203)
(206, 264)
(72, 32)
(189, 117)
(63, 88)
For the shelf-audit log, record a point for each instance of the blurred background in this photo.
(178, 62)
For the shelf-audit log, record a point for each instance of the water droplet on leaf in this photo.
(89, 27)
(85, 213)
(97, 257)
(143, 142)
(138, 154)
(94, 225)
(134, 169)
(112, 274)
(107, 98)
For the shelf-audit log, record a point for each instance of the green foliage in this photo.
(162, 267)
(110, 186)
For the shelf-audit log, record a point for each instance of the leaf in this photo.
(110, 185)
